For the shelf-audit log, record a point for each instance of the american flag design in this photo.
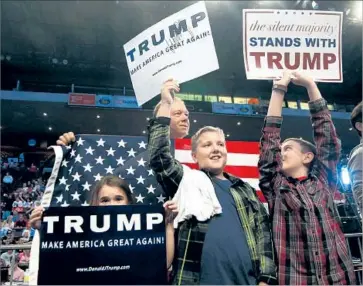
(91, 157)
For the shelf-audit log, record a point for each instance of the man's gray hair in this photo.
(202, 130)
(157, 107)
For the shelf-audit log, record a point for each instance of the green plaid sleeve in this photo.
(168, 171)
(265, 249)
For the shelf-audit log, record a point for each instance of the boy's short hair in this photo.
(202, 130)
(306, 147)
(356, 116)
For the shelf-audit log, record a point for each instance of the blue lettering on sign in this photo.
(275, 42)
(174, 30)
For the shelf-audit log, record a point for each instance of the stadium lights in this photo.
(45, 114)
(344, 174)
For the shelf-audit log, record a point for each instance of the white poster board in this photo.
(181, 46)
(274, 40)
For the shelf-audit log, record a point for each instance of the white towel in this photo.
(196, 196)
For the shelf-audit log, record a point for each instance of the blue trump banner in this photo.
(103, 245)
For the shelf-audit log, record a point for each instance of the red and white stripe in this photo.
(242, 160)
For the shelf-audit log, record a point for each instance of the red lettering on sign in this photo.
(292, 61)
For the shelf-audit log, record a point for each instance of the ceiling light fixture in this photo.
(65, 62)
(54, 60)
(351, 128)
(45, 114)
(98, 130)
(50, 128)
(227, 135)
(195, 121)
(98, 116)
(238, 123)
(147, 118)
(8, 58)
(144, 132)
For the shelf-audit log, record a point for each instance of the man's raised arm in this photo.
(168, 171)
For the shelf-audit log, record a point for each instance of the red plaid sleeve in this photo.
(328, 144)
(269, 163)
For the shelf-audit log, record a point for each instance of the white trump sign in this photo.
(275, 40)
(180, 46)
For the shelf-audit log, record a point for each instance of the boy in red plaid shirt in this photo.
(298, 180)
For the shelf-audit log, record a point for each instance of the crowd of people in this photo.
(299, 241)
(21, 192)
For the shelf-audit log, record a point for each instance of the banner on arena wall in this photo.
(274, 40)
(231, 108)
(103, 245)
(82, 99)
(180, 46)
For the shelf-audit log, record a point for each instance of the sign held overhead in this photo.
(275, 40)
(180, 46)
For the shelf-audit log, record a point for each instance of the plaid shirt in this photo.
(310, 245)
(191, 234)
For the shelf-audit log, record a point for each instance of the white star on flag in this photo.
(75, 196)
(110, 152)
(78, 159)
(99, 160)
(109, 170)
(139, 198)
(80, 141)
(131, 152)
(67, 187)
(86, 186)
(161, 198)
(88, 168)
(130, 171)
(65, 204)
(85, 204)
(98, 177)
(62, 181)
(60, 198)
(68, 147)
(141, 162)
(142, 144)
(140, 180)
(73, 153)
(101, 142)
(89, 150)
(70, 170)
(131, 188)
(120, 161)
(121, 143)
(150, 189)
(64, 163)
(150, 172)
(76, 176)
